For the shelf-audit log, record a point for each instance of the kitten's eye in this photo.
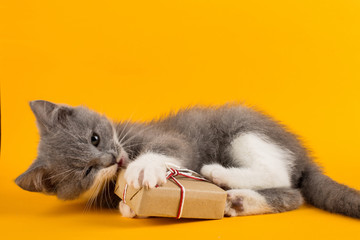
(88, 171)
(95, 139)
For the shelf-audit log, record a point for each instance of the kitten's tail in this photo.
(323, 192)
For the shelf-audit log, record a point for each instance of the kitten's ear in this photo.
(35, 179)
(48, 114)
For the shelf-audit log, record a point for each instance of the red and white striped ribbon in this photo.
(172, 173)
(124, 193)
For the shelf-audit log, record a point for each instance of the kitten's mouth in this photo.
(120, 163)
(122, 160)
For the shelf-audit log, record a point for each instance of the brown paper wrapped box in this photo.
(203, 200)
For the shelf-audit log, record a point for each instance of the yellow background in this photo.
(296, 60)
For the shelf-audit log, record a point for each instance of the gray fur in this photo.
(323, 192)
(64, 151)
(196, 136)
(282, 199)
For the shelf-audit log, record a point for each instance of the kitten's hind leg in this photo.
(245, 177)
(237, 178)
(126, 211)
(258, 163)
(241, 202)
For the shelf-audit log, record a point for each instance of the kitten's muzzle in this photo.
(118, 161)
(111, 160)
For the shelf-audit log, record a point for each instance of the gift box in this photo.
(182, 196)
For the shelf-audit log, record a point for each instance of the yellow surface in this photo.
(297, 60)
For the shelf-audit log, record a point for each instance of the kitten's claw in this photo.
(146, 171)
(126, 211)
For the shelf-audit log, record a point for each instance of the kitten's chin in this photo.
(108, 173)
(102, 178)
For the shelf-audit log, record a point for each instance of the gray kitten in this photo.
(262, 166)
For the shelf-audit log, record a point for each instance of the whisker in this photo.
(127, 123)
(91, 200)
(71, 172)
(93, 194)
(74, 136)
(106, 192)
(133, 145)
(126, 133)
(137, 134)
(59, 174)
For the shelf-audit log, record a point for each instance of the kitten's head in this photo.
(78, 149)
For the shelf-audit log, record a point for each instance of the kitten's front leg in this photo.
(148, 170)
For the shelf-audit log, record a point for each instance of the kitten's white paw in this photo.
(215, 173)
(126, 211)
(241, 202)
(146, 171)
